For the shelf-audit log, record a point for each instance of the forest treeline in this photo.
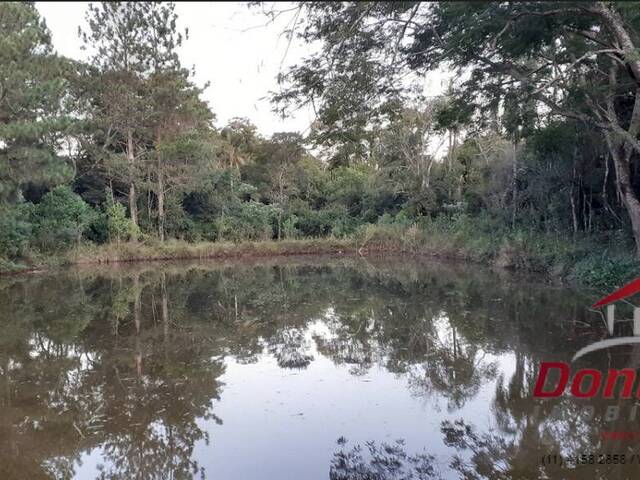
(539, 134)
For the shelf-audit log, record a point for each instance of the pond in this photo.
(341, 368)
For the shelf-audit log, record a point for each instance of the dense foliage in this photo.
(539, 133)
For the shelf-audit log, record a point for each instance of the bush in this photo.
(313, 223)
(248, 221)
(344, 225)
(347, 187)
(204, 231)
(289, 229)
(119, 227)
(604, 271)
(60, 219)
(178, 223)
(15, 230)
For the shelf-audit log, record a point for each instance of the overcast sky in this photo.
(230, 45)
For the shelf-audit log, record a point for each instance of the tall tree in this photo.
(402, 147)
(183, 136)
(240, 140)
(32, 88)
(116, 33)
(576, 60)
(284, 151)
(180, 121)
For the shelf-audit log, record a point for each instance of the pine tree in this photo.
(144, 100)
(116, 32)
(180, 121)
(32, 88)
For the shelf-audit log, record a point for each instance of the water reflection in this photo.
(385, 461)
(120, 373)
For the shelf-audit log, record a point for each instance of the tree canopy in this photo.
(33, 110)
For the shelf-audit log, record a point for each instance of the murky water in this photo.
(296, 369)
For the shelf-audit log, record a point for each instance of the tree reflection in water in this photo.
(380, 462)
(128, 362)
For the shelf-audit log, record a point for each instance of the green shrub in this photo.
(248, 221)
(315, 223)
(178, 223)
(15, 230)
(347, 187)
(205, 231)
(289, 229)
(61, 218)
(119, 227)
(604, 271)
(344, 225)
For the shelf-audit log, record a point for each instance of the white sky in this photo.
(231, 46)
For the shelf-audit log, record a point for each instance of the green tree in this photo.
(147, 107)
(118, 107)
(180, 120)
(530, 60)
(61, 218)
(32, 115)
(119, 227)
(402, 149)
(184, 148)
(240, 140)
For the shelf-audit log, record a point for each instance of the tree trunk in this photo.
(137, 307)
(279, 226)
(631, 202)
(160, 192)
(615, 23)
(621, 160)
(160, 204)
(622, 144)
(574, 215)
(133, 202)
(165, 306)
(426, 175)
(133, 207)
(514, 212)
